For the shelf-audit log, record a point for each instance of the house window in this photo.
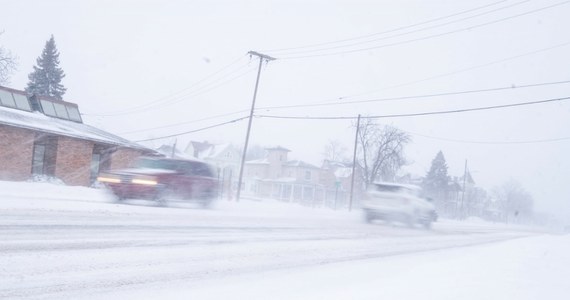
(94, 167)
(228, 154)
(307, 175)
(281, 157)
(44, 156)
(38, 159)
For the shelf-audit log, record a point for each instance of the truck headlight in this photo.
(144, 181)
(108, 179)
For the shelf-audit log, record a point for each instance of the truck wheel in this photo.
(161, 197)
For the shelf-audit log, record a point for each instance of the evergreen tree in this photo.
(436, 180)
(45, 80)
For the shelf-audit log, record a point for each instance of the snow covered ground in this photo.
(59, 242)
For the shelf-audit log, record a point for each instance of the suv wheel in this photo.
(368, 217)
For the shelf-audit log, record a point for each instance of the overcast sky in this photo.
(147, 69)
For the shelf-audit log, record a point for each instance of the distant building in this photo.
(279, 178)
(225, 157)
(336, 177)
(41, 136)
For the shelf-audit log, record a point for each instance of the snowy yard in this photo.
(62, 242)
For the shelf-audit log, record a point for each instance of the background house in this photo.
(40, 136)
(225, 157)
(337, 178)
(279, 178)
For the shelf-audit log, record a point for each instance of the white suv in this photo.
(398, 202)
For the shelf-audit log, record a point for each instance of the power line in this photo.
(196, 130)
(210, 86)
(417, 114)
(417, 96)
(462, 70)
(490, 142)
(351, 102)
(440, 75)
(425, 37)
(405, 33)
(387, 31)
(186, 122)
(201, 91)
(166, 98)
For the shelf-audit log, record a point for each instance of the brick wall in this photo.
(73, 157)
(123, 158)
(73, 161)
(16, 147)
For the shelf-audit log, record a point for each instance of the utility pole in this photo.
(174, 149)
(354, 163)
(262, 57)
(463, 194)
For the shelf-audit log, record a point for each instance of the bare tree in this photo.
(7, 64)
(514, 201)
(380, 150)
(335, 151)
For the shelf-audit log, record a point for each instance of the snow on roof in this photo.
(166, 150)
(278, 148)
(262, 161)
(39, 122)
(215, 150)
(281, 180)
(300, 163)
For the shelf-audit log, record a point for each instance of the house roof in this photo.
(166, 150)
(299, 163)
(278, 148)
(205, 150)
(199, 146)
(262, 161)
(37, 121)
(215, 150)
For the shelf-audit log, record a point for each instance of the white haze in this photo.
(61, 242)
(120, 54)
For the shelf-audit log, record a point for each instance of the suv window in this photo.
(200, 169)
(192, 168)
(157, 164)
(388, 188)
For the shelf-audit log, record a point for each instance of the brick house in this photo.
(41, 136)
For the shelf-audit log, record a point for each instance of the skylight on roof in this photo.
(22, 102)
(73, 113)
(61, 110)
(47, 107)
(14, 100)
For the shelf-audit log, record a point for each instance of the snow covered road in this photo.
(68, 243)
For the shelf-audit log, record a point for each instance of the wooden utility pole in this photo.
(262, 57)
(354, 163)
